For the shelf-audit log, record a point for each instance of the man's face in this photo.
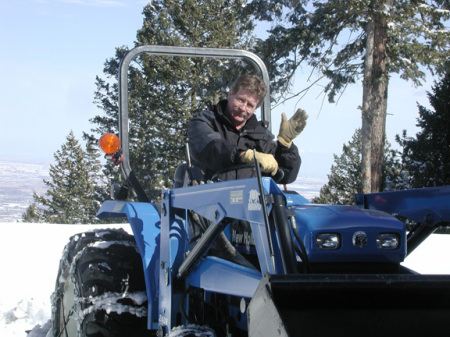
(241, 106)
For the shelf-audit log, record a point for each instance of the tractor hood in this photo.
(350, 234)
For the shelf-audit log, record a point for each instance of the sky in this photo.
(52, 51)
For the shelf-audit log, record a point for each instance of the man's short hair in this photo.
(252, 83)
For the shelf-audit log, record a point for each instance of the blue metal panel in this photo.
(423, 205)
(238, 199)
(262, 248)
(221, 276)
(346, 221)
(165, 273)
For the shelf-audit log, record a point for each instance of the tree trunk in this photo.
(379, 106)
(366, 128)
(374, 104)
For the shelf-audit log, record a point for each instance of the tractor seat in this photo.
(187, 176)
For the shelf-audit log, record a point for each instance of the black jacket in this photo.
(215, 145)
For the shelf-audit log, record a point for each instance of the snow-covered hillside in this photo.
(18, 181)
(30, 257)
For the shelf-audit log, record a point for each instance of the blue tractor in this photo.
(319, 270)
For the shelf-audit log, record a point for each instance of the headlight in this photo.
(328, 241)
(388, 241)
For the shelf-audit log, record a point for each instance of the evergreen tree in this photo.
(347, 40)
(344, 181)
(33, 213)
(74, 192)
(166, 91)
(427, 157)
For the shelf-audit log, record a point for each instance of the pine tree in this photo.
(427, 156)
(346, 41)
(166, 91)
(74, 191)
(33, 213)
(344, 181)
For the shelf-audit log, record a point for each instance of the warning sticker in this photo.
(236, 197)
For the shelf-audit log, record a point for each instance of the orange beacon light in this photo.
(109, 143)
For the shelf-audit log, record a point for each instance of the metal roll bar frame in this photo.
(176, 51)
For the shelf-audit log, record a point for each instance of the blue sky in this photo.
(52, 50)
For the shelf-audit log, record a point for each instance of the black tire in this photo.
(100, 287)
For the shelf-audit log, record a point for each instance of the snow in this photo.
(308, 187)
(191, 330)
(30, 256)
(108, 302)
(18, 182)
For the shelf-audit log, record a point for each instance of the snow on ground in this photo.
(29, 260)
(30, 253)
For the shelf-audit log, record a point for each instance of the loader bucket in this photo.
(350, 305)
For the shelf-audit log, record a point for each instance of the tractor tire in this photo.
(100, 287)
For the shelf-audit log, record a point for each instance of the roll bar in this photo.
(179, 51)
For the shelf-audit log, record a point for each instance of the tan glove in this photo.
(267, 161)
(289, 129)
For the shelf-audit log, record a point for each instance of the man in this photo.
(224, 137)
